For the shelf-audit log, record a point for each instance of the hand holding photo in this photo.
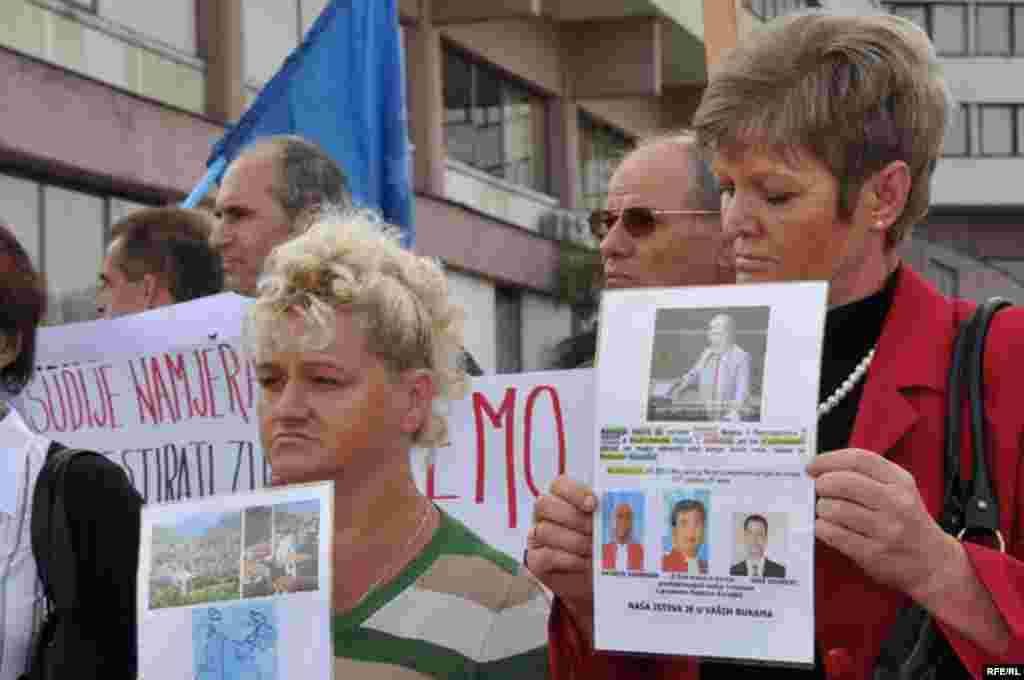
(237, 587)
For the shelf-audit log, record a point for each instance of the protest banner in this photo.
(172, 397)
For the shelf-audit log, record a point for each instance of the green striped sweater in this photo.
(460, 610)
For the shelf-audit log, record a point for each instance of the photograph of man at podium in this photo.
(722, 373)
(707, 365)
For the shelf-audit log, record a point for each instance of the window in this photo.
(767, 10)
(958, 137)
(493, 123)
(1000, 129)
(999, 29)
(508, 318)
(945, 278)
(64, 231)
(601, 147)
(89, 5)
(945, 22)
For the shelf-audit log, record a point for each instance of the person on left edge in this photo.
(158, 257)
(102, 506)
(354, 340)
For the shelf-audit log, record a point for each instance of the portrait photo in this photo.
(760, 544)
(707, 364)
(622, 522)
(684, 546)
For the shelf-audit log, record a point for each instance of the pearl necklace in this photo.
(826, 406)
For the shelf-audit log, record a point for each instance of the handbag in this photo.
(915, 648)
(60, 643)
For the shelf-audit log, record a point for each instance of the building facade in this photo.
(972, 243)
(518, 111)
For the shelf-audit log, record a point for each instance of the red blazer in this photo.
(901, 416)
(634, 556)
(673, 561)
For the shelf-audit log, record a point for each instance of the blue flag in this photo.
(344, 89)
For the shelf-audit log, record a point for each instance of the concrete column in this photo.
(426, 103)
(721, 29)
(220, 37)
(564, 135)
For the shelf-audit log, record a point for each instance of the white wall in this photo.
(170, 21)
(985, 79)
(270, 32)
(545, 323)
(496, 197)
(978, 181)
(476, 295)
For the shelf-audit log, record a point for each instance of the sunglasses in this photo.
(638, 221)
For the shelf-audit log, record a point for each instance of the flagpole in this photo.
(203, 187)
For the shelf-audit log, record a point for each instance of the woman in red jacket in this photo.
(823, 132)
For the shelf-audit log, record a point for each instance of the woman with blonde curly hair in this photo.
(355, 340)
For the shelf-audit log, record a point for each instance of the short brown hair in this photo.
(857, 92)
(23, 301)
(172, 243)
(308, 179)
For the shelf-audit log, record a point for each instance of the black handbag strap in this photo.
(52, 543)
(970, 510)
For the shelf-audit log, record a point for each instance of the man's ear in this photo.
(150, 286)
(10, 348)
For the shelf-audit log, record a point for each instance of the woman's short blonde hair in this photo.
(857, 92)
(351, 261)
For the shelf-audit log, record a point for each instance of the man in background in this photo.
(661, 228)
(266, 196)
(157, 257)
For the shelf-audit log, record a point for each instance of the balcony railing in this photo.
(766, 10)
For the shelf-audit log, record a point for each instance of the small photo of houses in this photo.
(282, 545)
(195, 560)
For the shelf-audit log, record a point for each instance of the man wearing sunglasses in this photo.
(662, 226)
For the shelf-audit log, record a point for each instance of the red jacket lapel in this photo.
(913, 353)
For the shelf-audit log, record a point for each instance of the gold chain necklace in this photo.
(428, 506)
